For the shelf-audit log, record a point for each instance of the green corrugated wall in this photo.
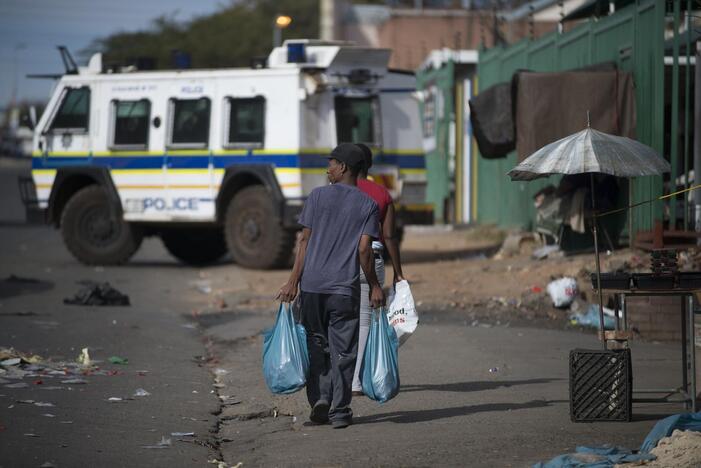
(437, 160)
(633, 37)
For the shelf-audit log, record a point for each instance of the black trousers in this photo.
(331, 321)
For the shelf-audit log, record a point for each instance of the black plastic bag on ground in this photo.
(99, 294)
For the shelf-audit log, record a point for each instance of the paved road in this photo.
(86, 429)
(451, 411)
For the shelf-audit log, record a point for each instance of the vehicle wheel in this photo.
(94, 231)
(254, 232)
(195, 246)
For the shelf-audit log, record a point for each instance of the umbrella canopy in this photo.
(591, 151)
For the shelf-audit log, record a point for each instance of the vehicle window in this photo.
(131, 123)
(190, 122)
(356, 120)
(74, 112)
(246, 121)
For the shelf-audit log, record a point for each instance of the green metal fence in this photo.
(633, 37)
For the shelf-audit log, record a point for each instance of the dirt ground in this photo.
(466, 272)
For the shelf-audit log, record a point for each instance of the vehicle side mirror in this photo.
(32, 117)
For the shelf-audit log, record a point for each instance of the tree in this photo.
(227, 38)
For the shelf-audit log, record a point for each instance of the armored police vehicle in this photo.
(217, 160)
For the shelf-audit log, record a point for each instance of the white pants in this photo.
(365, 316)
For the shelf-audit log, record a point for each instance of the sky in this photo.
(30, 30)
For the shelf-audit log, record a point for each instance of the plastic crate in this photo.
(601, 385)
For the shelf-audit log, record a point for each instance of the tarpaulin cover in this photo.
(607, 457)
(285, 354)
(551, 106)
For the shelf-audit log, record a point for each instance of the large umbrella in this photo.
(591, 151)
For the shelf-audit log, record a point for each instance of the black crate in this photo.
(601, 385)
(612, 280)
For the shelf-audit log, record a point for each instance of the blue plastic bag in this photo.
(380, 372)
(285, 355)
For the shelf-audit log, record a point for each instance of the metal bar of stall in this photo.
(697, 139)
(674, 136)
(692, 353)
(687, 100)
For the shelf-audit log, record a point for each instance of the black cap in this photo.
(349, 154)
(367, 154)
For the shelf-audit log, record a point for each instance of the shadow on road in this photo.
(406, 417)
(17, 286)
(471, 386)
(425, 256)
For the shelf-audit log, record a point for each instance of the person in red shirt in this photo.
(388, 241)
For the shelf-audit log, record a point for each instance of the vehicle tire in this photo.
(195, 246)
(254, 231)
(93, 230)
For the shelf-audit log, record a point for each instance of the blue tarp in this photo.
(607, 457)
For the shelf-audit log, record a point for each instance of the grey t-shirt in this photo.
(338, 216)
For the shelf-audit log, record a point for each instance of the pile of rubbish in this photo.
(16, 366)
(674, 441)
(97, 294)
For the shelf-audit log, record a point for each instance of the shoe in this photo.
(357, 393)
(341, 423)
(320, 412)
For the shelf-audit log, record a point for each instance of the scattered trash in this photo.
(609, 456)
(49, 415)
(118, 360)
(74, 381)
(84, 357)
(203, 286)
(43, 404)
(115, 399)
(182, 434)
(219, 371)
(17, 385)
(38, 382)
(590, 318)
(493, 370)
(543, 252)
(140, 392)
(163, 444)
(25, 402)
(562, 291)
(98, 294)
(48, 465)
(31, 435)
(10, 362)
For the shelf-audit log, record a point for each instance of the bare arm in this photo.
(288, 292)
(392, 243)
(367, 263)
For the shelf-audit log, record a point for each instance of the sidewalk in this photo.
(451, 409)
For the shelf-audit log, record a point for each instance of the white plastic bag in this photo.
(563, 291)
(401, 312)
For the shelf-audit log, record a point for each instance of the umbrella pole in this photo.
(598, 265)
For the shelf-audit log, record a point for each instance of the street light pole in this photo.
(281, 22)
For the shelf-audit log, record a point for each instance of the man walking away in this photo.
(339, 223)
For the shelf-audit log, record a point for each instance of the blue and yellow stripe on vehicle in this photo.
(309, 160)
